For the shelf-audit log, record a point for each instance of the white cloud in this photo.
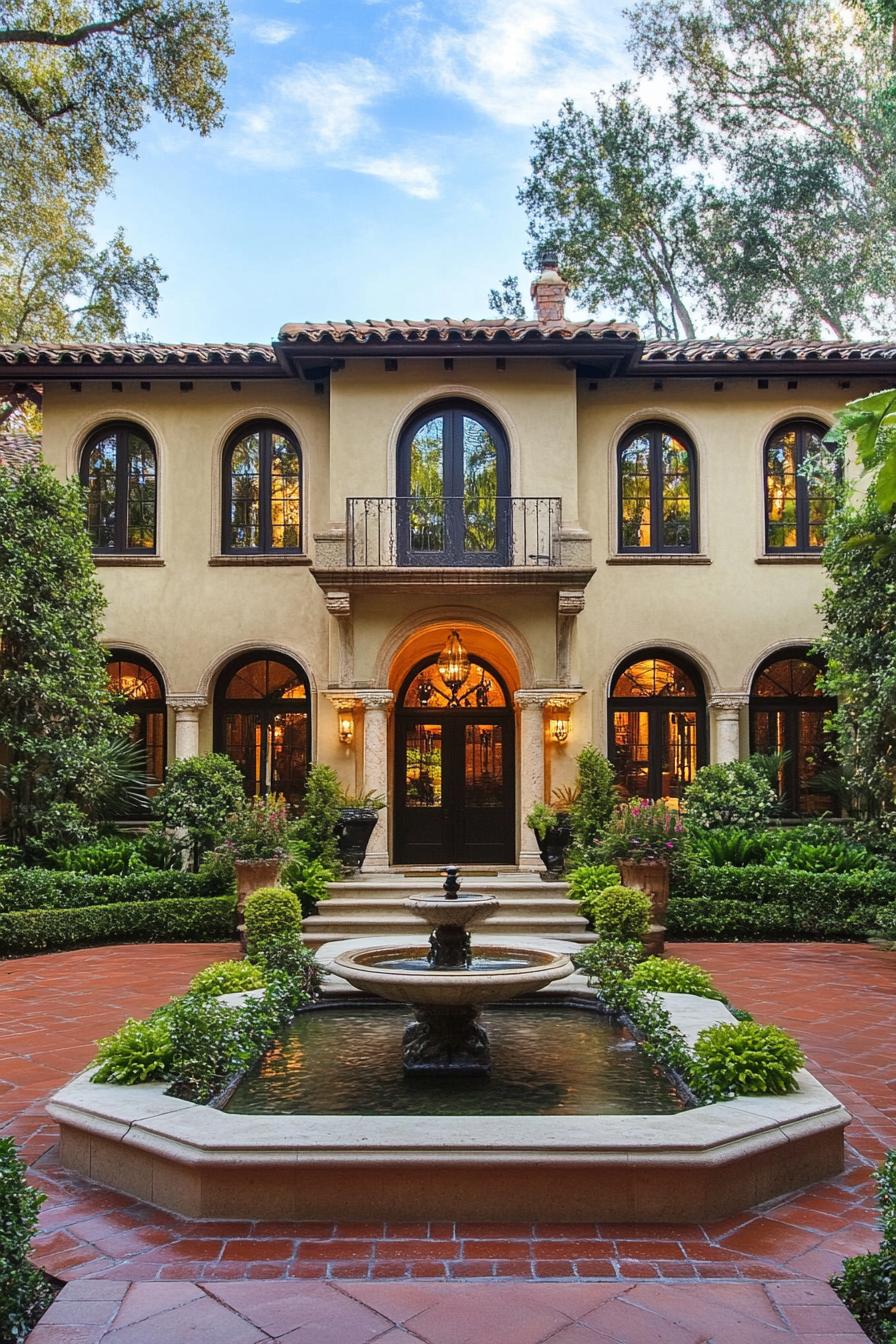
(336, 98)
(273, 31)
(407, 174)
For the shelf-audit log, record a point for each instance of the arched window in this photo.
(453, 487)
(118, 471)
(142, 698)
(787, 713)
(657, 470)
(263, 722)
(656, 729)
(798, 502)
(262, 491)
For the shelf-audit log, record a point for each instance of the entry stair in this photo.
(371, 905)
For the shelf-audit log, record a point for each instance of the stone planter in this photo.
(356, 826)
(252, 874)
(652, 876)
(553, 848)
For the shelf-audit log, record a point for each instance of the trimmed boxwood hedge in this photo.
(758, 901)
(46, 889)
(185, 919)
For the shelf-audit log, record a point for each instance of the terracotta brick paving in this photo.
(838, 999)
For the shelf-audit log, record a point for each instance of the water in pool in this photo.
(556, 1060)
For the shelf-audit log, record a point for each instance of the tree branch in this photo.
(42, 37)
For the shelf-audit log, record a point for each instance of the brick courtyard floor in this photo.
(574, 1284)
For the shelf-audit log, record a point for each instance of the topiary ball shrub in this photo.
(24, 1292)
(731, 794)
(271, 912)
(669, 975)
(588, 881)
(620, 913)
(745, 1059)
(227, 977)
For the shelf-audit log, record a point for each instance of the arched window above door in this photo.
(656, 725)
(262, 491)
(263, 722)
(118, 472)
(453, 485)
(787, 716)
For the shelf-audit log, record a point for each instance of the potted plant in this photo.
(644, 834)
(357, 819)
(552, 832)
(257, 841)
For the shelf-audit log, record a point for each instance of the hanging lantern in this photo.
(454, 666)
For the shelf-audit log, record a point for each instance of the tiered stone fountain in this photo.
(449, 984)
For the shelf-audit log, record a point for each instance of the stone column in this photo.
(186, 723)
(726, 709)
(339, 605)
(376, 705)
(531, 704)
(569, 604)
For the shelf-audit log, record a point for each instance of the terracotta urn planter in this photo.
(652, 876)
(252, 874)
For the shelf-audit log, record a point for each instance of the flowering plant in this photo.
(257, 829)
(644, 828)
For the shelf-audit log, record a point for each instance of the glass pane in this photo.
(631, 751)
(243, 744)
(787, 678)
(676, 464)
(245, 494)
(634, 490)
(423, 765)
(427, 515)
(154, 741)
(263, 678)
(654, 676)
(480, 487)
(141, 494)
(781, 485)
(483, 765)
(286, 498)
(811, 757)
(101, 463)
(132, 680)
(821, 489)
(679, 748)
(480, 690)
(289, 755)
(769, 736)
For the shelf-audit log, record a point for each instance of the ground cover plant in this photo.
(25, 1293)
(867, 1283)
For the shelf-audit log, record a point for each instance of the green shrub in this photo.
(308, 878)
(138, 1052)
(727, 845)
(287, 955)
(25, 1293)
(44, 888)
(270, 913)
(593, 806)
(733, 794)
(745, 1059)
(198, 795)
(885, 922)
(227, 977)
(867, 1283)
(728, 921)
(316, 829)
(588, 880)
(108, 856)
(621, 913)
(10, 857)
(191, 919)
(257, 828)
(541, 818)
(832, 857)
(209, 1045)
(608, 960)
(671, 976)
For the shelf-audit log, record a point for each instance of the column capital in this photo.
(342, 700)
(729, 701)
(378, 699)
(538, 698)
(338, 603)
(570, 601)
(189, 700)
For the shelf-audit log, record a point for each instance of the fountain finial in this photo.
(451, 885)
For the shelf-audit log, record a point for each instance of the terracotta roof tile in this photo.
(127, 353)
(493, 331)
(17, 450)
(753, 351)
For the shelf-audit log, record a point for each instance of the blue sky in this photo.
(369, 163)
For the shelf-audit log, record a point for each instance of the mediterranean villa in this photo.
(441, 556)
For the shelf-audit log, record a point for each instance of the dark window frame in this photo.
(790, 706)
(264, 427)
(655, 706)
(141, 709)
(802, 425)
(655, 429)
(121, 429)
(264, 707)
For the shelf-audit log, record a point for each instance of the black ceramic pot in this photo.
(355, 829)
(553, 848)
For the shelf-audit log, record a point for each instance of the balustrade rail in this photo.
(475, 530)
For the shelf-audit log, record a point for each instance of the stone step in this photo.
(358, 926)
(315, 938)
(401, 889)
(530, 906)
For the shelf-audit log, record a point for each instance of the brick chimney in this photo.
(549, 290)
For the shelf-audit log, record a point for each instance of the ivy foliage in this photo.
(24, 1292)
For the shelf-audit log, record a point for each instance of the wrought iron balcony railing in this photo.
(453, 530)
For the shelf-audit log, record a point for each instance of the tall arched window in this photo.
(142, 698)
(657, 473)
(787, 713)
(262, 491)
(263, 722)
(799, 502)
(656, 725)
(118, 471)
(453, 484)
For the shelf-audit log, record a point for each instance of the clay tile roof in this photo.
(17, 450)
(499, 331)
(136, 353)
(752, 351)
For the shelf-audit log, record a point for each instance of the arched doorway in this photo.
(454, 762)
(787, 714)
(656, 725)
(141, 691)
(263, 722)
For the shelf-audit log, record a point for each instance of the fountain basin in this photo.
(441, 912)
(389, 973)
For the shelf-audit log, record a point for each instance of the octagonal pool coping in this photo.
(695, 1166)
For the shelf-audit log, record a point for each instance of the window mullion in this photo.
(264, 486)
(802, 494)
(121, 490)
(656, 490)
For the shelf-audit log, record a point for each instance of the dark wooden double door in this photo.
(454, 787)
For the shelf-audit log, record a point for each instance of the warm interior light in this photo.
(558, 722)
(346, 726)
(454, 666)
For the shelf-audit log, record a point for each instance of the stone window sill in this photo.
(260, 560)
(796, 558)
(659, 559)
(104, 561)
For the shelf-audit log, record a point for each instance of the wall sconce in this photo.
(346, 726)
(558, 721)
